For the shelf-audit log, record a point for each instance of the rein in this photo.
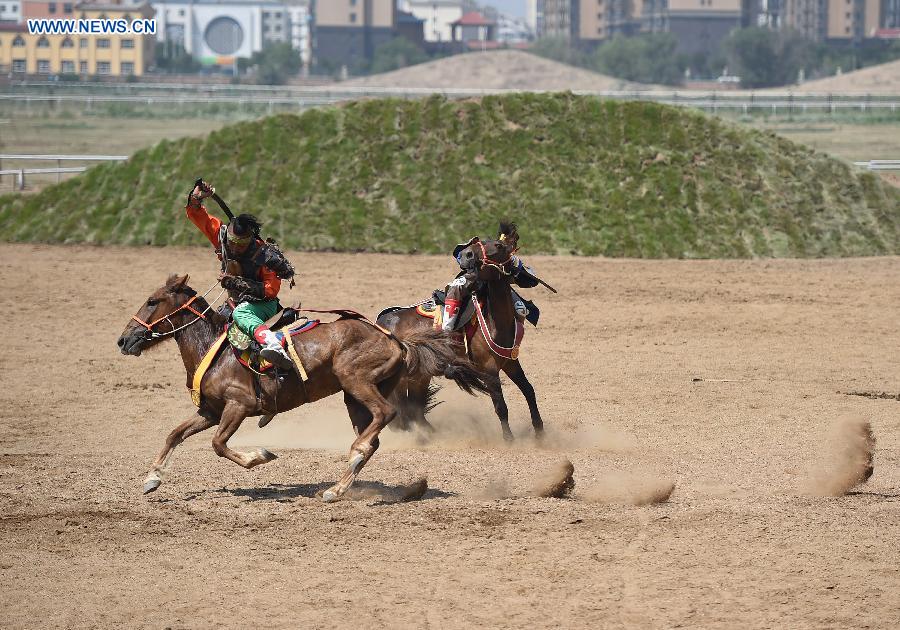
(501, 351)
(186, 306)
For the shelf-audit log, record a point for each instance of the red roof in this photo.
(473, 18)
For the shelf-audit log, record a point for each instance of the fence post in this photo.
(58, 166)
(21, 179)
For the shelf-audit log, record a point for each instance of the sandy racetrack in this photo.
(738, 543)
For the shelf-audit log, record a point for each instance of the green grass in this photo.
(580, 175)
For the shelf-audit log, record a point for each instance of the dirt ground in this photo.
(744, 540)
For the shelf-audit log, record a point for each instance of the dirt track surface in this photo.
(740, 543)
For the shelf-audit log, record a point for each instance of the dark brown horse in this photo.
(348, 354)
(492, 258)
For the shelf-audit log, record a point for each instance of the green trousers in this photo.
(251, 315)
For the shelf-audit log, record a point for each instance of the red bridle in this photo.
(490, 262)
(185, 306)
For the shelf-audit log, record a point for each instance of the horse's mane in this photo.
(507, 228)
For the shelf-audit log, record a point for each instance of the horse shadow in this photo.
(377, 492)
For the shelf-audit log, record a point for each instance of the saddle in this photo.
(288, 322)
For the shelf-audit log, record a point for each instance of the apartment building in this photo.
(347, 30)
(115, 55)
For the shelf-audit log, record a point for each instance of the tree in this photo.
(171, 57)
(560, 49)
(273, 64)
(396, 53)
(764, 58)
(647, 58)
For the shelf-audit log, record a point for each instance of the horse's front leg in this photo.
(232, 417)
(517, 375)
(194, 424)
(502, 411)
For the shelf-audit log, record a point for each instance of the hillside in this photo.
(580, 175)
(496, 70)
(881, 79)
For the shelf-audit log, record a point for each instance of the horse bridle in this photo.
(490, 262)
(186, 306)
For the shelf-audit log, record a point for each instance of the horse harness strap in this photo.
(503, 352)
(186, 306)
(207, 360)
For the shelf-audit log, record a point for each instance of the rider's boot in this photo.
(451, 314)
(271, 348)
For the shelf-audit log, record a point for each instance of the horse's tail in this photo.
(430, 352)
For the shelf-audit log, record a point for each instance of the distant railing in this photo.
(20, 173)
(880, 165)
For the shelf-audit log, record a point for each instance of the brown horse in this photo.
(348, 354)
(492, 258)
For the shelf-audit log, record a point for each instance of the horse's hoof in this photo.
(330, 496)
(151, 484)
(507, 435)
(265, 455)
(264, 420)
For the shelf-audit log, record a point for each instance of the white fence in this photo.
(20, 173)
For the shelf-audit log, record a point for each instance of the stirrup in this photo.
(277, 357)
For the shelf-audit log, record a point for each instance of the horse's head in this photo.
(492, 257)
(152, 323)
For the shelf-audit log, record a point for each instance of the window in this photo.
(848, 16)
(2, 8)
(43, 43)
(68, 67)
(102, 67)
(51, 7)
(43, 66)
(103, 43)
(353, 18)
(82, 67)
(180, 12)
(18, 65)
(265, 15)
(278, 15)
(127, 43)
(265, 28)
(67, 7)
(278, 28)
(352, 3)
(67, 43)
(82, 43)
(127, 67)
(18, 41)
(127, 18)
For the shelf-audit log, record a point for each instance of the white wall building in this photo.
(438, 16)
(300, 19)
(11, 11)
(217, 32)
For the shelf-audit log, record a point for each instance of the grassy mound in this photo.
(579, 175)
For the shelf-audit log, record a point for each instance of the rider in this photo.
(253, 278)
(467, 282)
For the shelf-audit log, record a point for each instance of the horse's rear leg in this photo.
(416, 402)
(517, 375)
(369, 412)
(194, 424)
(232, 417)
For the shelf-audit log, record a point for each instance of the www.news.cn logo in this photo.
(92, 27)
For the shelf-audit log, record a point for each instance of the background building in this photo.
(349, 30)
(218, 33)
(11, 11)
(439, 16)
(107, 55)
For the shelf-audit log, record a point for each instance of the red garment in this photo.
(210, 226)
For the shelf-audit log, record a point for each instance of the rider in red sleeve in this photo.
(251, 271)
